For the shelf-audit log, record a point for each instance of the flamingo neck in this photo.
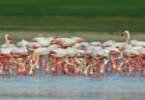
(128, 39)
(6, 38)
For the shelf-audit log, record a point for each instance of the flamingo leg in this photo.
(101, 68)
(10, 71)
(31, 71)
(80, 65)
(142, 72)
(1, 69)
(120, 68)
(88, 67)
(71, 64)
(46, 68)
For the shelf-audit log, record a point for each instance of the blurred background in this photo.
(86, 18)
(94, 20)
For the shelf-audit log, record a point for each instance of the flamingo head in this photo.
(124, 32)
(9, 37)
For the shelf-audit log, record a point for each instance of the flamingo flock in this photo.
(72, 56)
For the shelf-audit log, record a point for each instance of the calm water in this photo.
(48, 87)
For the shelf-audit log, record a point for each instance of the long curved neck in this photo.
(128, 37)
(127, 40)
(6, 39)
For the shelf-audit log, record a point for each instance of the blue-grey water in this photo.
(41, 87)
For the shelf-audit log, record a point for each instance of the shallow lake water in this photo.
(48, 87)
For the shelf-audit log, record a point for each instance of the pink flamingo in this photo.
(5, 60)
(58, 58)
(99, 56)
(37, 55)
(114, 59)
(97, 44)
(20, 56)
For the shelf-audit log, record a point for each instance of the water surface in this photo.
(49, 87)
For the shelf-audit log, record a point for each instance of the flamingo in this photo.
(136, 43)
(44, 42)
(22, 43)
(37, 38)
(98, 44)
(78, 39)
(83, 45)
(114, 54)
(40, 37)
(72, 56)
(20, 56)
(37, 53)
(76, 46)
(5, 60)
(119, 45)
(73, 60)
(129, 55)
(142, 61)
(58, 58)
(5, 54)
(99, 56)
(31, 46)
(66, 42)
(108, 43)
(8, 42)
(8, 39)
(127, 45)
(88, 54)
